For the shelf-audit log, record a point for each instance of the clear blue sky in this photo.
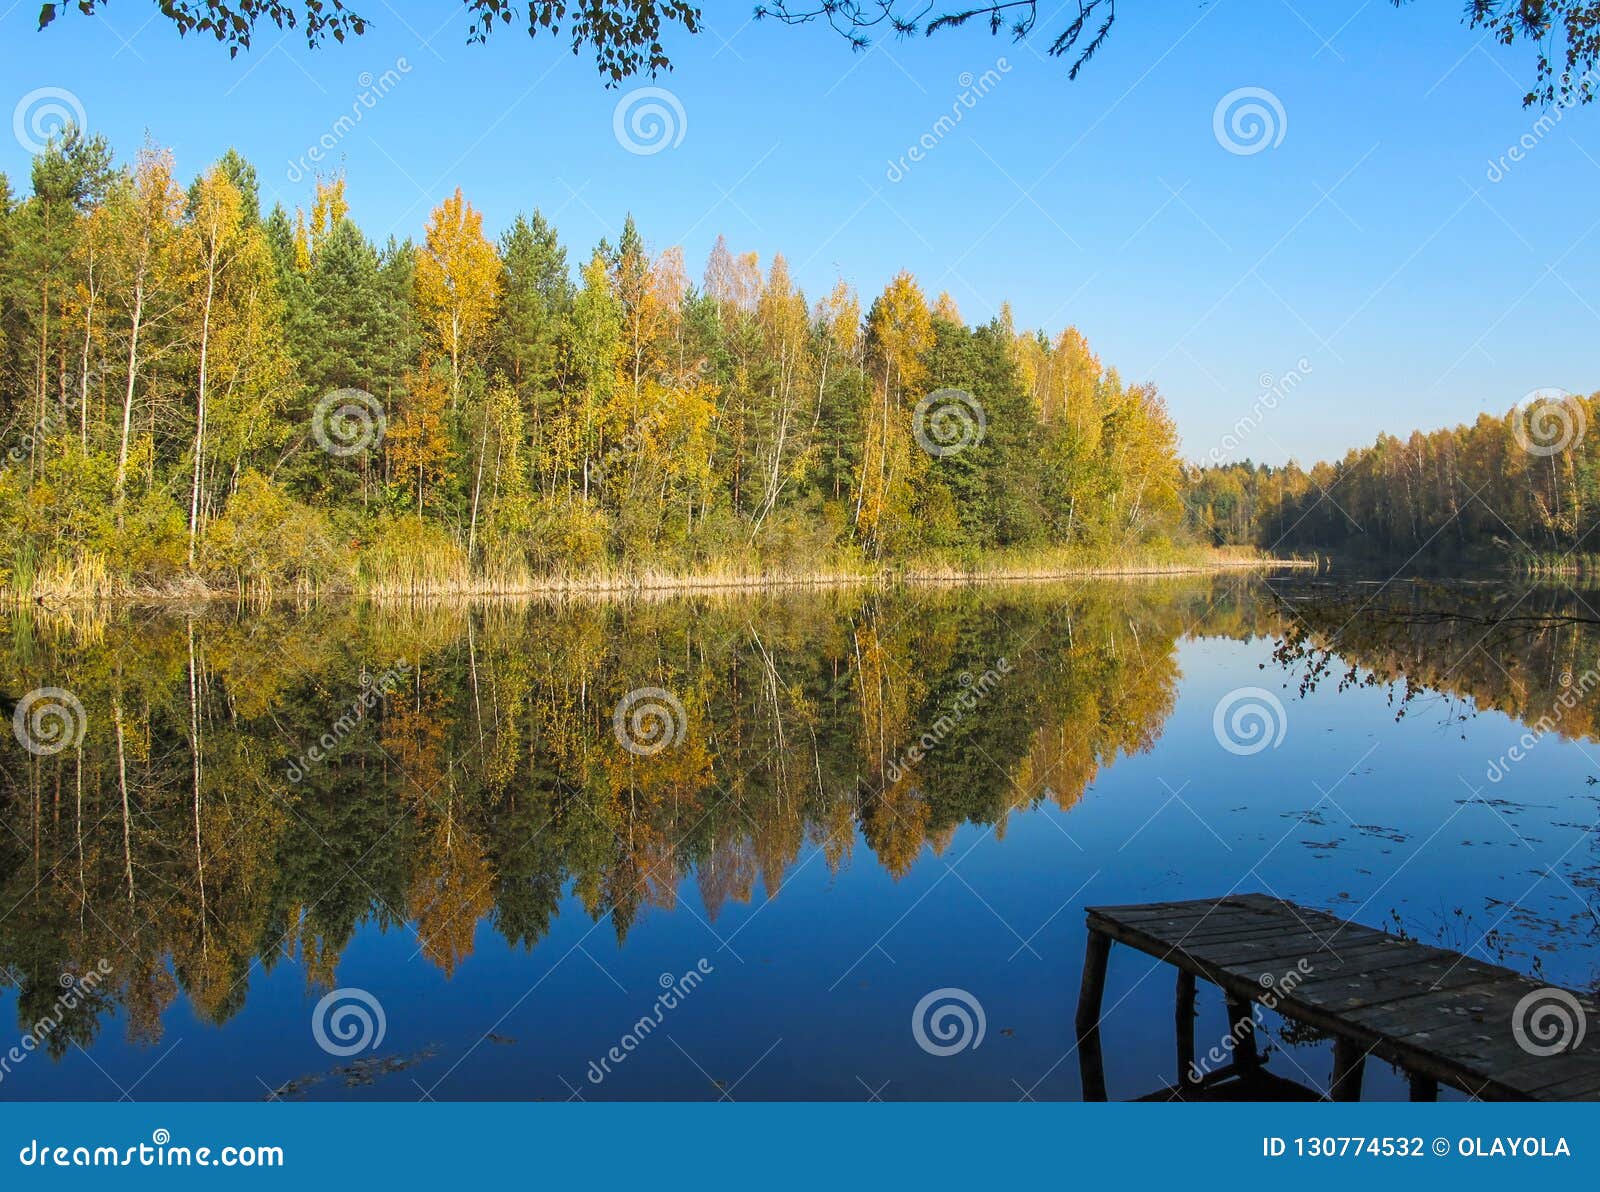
(1368, 242)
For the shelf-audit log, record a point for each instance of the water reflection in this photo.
(255, 787)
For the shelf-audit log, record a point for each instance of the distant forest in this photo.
(193, 391)
(1523, 488)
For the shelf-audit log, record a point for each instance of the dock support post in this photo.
(1349, 1061)
(1091, 1065)
(1185, 1024)
(1242, 1024)
(1423, 1088)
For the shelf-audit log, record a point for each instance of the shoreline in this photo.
(665, 585)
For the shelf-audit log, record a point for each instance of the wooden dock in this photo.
(1442, 1017)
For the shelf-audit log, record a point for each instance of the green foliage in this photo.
(624, 37)
(1522, 487)
(195, 393)
(266, 541)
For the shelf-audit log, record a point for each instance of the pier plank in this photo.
(1444, 1017)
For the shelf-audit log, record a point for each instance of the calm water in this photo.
(801, 813)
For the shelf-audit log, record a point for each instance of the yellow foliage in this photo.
(458, 282)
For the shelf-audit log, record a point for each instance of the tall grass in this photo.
(1550, 565)
(54, 580)
(423, 566)
(1062, 562)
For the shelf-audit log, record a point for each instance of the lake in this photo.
(812, 844)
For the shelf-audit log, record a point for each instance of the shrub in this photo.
(265, 540)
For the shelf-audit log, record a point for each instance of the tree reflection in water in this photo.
(507, 767)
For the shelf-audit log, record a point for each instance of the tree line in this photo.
(1523, 488)
(196, 391)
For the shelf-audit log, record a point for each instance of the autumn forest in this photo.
(1521, 490)
(201, 394)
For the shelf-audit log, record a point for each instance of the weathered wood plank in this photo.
(1091, 1069)
(1183, 1015)
(1271, 951)
(1252, 926)
(1444, 1017)
(1349, 1060)
(1359, 995)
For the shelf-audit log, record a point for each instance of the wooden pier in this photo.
(1439, 1015)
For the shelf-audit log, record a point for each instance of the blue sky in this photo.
(1364, 247)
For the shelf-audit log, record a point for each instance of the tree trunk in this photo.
(200, 402)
